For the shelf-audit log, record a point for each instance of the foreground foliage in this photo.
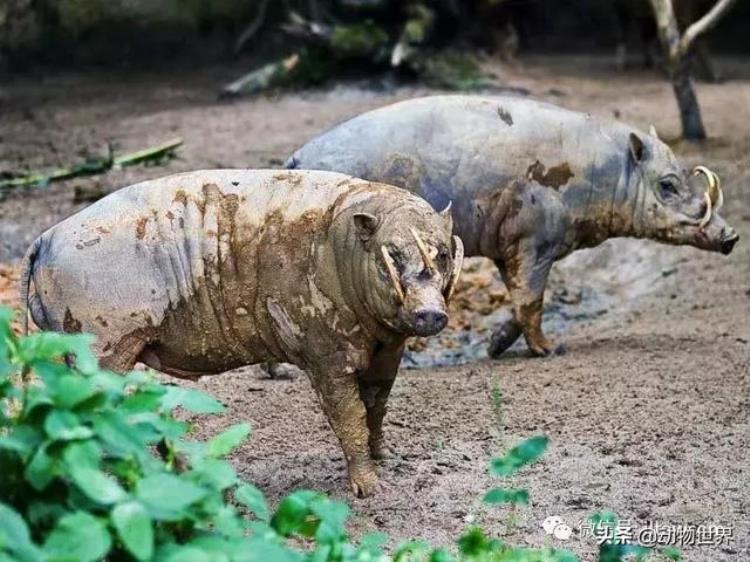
(81, 479)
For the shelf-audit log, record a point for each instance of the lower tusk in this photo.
(458, 260)
(391, 267)
(709, 211)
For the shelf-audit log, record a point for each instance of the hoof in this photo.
(502, 339)
(363, 480)
(543, 349)
(379, 451)
(540, 352)
(279, 371)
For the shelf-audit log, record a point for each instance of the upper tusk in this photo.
(458, 260)
(720, 197)
(429, 264)
(391, 268)
(710, 176)
(707, 217)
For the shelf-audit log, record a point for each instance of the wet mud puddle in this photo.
(597, 285)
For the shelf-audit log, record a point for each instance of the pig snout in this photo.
(728, 240)
(429, 321)
(718, 236)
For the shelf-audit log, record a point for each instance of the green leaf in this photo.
(121, 438)
(15, 536)
(217, 474)
(96, 485)
(228, 440)
(78, 536)
(166, 496)
(53, 346)
(672, 553)
(191, 400)
(441, 555)
(82, 453)
(260, 549)
(473, 542)
(228, 523)
(146, 400)
(194, 554)
(332, 515)
(133, 526)
(521, 455)
(252, 498)
(71, 390)
(41, 470)
(65, 426)
(293, 514)
(504, 495)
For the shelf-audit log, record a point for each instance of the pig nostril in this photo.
(429, 322)
(727, 244)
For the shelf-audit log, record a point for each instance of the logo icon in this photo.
(556, 527)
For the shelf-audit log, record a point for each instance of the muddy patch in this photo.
(555, 177)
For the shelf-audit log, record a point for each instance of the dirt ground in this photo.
(649, 410)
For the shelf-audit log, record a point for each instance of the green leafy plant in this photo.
(82, 480)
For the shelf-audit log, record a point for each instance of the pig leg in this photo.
(508, 331)
(346, 413)
(123, 355)
(524, 270)
(374, 388)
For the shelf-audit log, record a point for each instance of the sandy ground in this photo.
(648, 412)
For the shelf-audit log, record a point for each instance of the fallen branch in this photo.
(262, 78)
(150, 155)
(94, 166)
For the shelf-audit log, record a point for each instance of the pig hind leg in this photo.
(524, 270)
(122, 355)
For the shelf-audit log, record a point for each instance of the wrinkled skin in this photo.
(529, 183)
(200, 273)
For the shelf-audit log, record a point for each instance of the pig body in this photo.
(203, 272)
(529, 183)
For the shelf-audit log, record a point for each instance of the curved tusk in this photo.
(710, 176)
(720, 197)
(709, 211)
(391, 267)
(429, 264)
(458, 261)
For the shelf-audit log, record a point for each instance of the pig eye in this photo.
(398, 258)
(442, 257)
(668, 188)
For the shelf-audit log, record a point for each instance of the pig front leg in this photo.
(374, 388)
(338, 390)
(524, 271)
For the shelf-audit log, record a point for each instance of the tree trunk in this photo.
(676, 48)
(687, 101)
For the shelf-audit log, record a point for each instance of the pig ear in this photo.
(637, 148)
(366, 225)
